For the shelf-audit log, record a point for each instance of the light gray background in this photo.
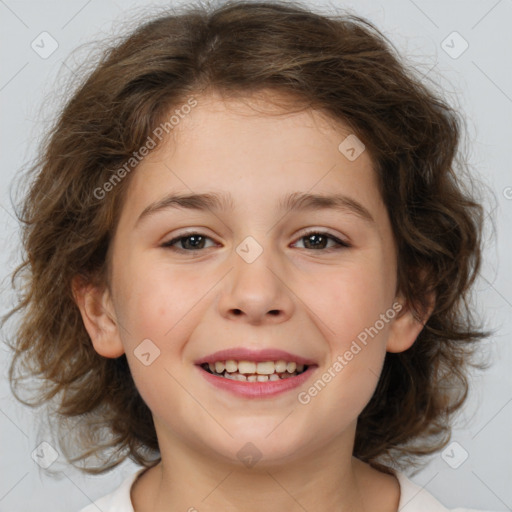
(479, 81)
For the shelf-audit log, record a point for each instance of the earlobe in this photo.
(98, 315)
(406, 327)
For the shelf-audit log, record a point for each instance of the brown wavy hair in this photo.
(339, 64)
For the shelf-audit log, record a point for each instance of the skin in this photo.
(294, 297)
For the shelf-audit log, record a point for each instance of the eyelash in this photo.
(340, 243)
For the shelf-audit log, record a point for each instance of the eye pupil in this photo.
(315, 236)
(197, 238)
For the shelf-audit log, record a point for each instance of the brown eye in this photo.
(189, 243)
(318, 240)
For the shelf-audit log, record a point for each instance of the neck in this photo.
(322, 479)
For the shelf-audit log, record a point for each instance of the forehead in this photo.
(253, 153)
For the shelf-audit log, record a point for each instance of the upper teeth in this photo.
(250, 367)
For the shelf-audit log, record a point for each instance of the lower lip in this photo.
(257, 389)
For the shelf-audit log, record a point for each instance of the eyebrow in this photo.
(296, 201)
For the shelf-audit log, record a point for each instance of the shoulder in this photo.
(118, 500)
(414, 498)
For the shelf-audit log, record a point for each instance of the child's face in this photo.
(295, 296)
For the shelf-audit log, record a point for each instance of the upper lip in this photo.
(244, 354)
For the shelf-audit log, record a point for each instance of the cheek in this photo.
(164, 306)
(159, 310)
(346, 383)
(355, 311)
(350, 301)
(155, 298)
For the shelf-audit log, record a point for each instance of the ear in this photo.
(405, 327)
(96, 308)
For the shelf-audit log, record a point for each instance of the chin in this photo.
(254, 447)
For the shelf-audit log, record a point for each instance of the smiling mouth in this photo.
(250, 371)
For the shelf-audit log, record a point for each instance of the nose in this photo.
(256, 292)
